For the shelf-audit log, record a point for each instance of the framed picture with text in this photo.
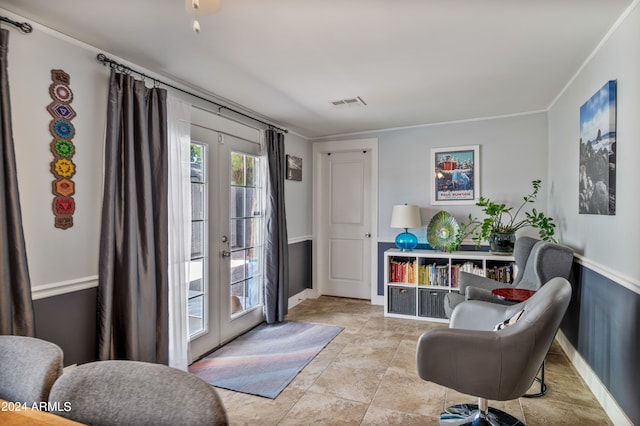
(455, 175)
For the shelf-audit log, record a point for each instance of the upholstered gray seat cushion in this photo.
(28, 368)
(136, 393)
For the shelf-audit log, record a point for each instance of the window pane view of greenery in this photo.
(246, 233)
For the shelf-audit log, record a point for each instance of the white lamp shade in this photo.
(405, 216)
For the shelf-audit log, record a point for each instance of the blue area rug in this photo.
(266, 359)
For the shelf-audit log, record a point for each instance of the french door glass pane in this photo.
(251, 178)
(237, 169)
(254, 286)
(237, 233)
(237, 202)
(252, 202)
(254, 262)
(196, 314)
(252, 232)
(238, 265)
(197, 239)
(197, 266)
(197, 201)
(197, 157)
(196, 277)
(238, 298)
(246, 234)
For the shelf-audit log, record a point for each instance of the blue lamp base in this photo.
(406, 241)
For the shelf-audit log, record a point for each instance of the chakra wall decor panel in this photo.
(62, 167)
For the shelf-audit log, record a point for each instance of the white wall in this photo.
(56, 255)
(298, 194)
(513, 152)
(611, 241)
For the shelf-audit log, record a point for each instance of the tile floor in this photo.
(367, 376)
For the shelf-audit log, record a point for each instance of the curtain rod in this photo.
(22, 26)
(127, 70)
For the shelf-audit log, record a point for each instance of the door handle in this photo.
(226, 253)
(367, 235)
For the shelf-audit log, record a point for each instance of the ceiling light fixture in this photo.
(199, 8)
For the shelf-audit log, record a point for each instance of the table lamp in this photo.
(404, 216)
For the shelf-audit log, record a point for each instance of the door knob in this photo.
(367, 235)
(226, 253)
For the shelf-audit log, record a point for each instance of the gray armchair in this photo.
(472, 358)
(136, 393)
(536, 263)
(30, 366)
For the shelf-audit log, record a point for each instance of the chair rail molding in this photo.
(63, 287)
(295, 240)
(628, 282)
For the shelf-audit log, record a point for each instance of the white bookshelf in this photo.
(416, 281)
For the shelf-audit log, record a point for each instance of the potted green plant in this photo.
(501, 223)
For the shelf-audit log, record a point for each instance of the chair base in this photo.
(469, 414)
(543, 386)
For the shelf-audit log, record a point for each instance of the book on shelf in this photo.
(503, 274)
(402, 271)
(433, 275)
(413, 271)
(468, 267)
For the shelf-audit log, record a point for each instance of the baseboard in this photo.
(307, 293)
(609, 404)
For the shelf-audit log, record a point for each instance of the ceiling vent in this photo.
(351, 102)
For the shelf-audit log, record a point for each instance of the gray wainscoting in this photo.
(382, 247)
(603, 324)
(299, 267)
(69, 320)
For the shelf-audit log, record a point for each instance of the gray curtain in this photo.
(276, 285)
(16, 308)
(133, 269)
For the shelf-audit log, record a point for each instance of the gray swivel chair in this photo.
(30, 366)
(473, 358)
(136, 393)
(536, 263)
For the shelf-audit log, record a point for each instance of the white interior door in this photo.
(346, 223)
(225, 292)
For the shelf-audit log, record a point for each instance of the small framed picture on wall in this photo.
(294, 168)
(455, 175)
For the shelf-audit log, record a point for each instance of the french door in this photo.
(226, 270)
